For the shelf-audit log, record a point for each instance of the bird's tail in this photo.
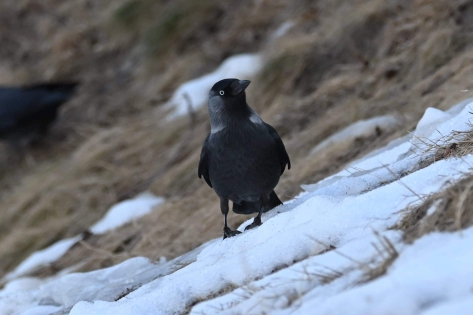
(246, 207)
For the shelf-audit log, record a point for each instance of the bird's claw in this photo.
(256, 222)
(229, 233)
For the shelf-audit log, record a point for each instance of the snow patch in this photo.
(43, 257)
(242, 66)
(282, 30)
(435, 125)
(359, 129)
(126, 211)
(428, 124)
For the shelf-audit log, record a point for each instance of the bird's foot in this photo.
(229, 233)
(256, 222)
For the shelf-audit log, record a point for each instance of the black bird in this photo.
(242, 158)
(29, 111)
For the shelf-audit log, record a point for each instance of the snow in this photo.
(65, 290)
(281, 30)
(435, 125)
(21, 285)
(311, 255)
(126, 211)
(359, 129)
(461, 306)
(429, 122)
(43, 257)
(42, 310)
(410, 286)
(299, 279)
(243, 66)
(402, 155)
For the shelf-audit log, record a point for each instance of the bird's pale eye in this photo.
(221, 92)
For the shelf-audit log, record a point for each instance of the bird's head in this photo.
(229, 88)
(227, 102)
(228, 93)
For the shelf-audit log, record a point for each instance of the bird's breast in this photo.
(243, 162)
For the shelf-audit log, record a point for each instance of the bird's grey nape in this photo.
(216, 106)
(219, 118)
(255, 118)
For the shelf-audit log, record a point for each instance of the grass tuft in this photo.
(455, 144)
(388, 254)
(448, 211)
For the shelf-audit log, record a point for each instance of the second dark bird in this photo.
(28, 112)
(242, 158)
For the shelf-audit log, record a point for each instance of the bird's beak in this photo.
(243, 84)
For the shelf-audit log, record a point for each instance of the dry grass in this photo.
(456, 144)
(448, 211)
(113, 165)
(387, 255)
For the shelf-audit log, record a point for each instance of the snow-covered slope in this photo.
(312, 255)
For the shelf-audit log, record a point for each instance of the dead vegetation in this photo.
(340, 62)
(448, 211)
(456, 144)
(387, 255)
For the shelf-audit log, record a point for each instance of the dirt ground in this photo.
(342, 61)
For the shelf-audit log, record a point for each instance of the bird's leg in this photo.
(257, 220)
(224, 208)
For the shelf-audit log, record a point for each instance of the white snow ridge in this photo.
(309, 257)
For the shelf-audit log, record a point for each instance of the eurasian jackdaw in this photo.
(29, 111)
(243, 157)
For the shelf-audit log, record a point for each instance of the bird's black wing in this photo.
(204, 162)
(282, 154)
(45, 96)
(17, 103)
